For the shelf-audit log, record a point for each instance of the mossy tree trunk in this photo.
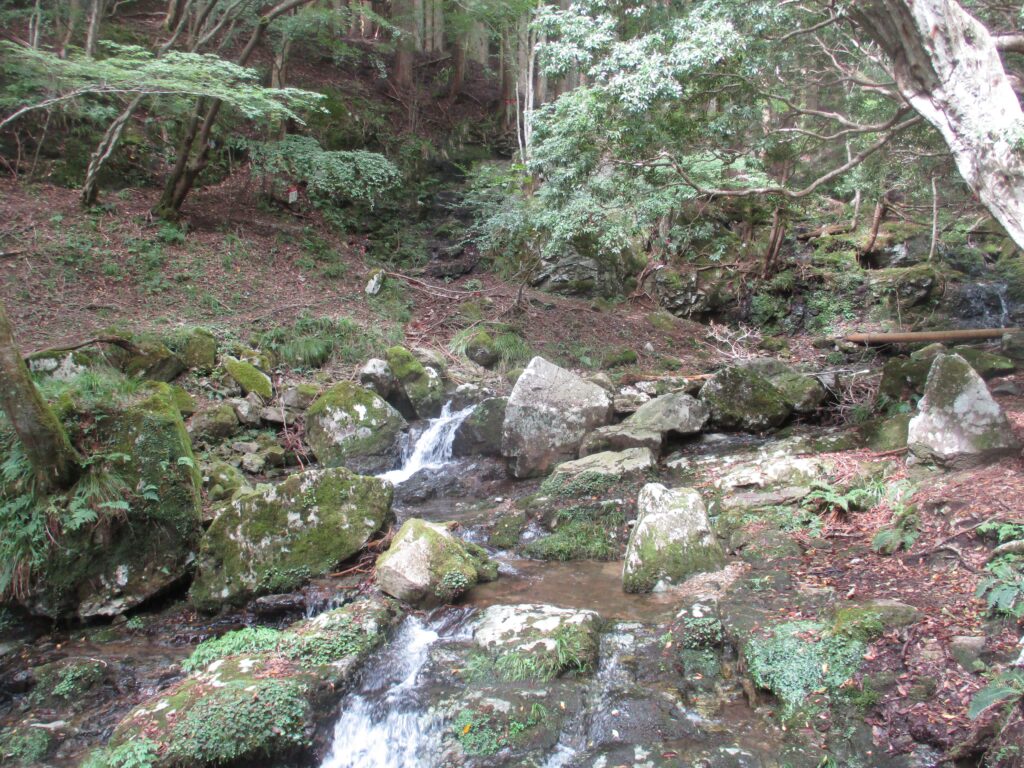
(40, 431)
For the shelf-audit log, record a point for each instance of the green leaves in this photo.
(130, 70)
(1005, 688)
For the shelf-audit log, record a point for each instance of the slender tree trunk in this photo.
(98, 159)
(92, 32)
(947, 66)
(458, 67)
(46, 444)
(175, 9)
(404, 17)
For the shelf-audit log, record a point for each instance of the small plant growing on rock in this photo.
(452, 585)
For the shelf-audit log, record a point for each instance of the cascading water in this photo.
(434, 447)
(384, 725)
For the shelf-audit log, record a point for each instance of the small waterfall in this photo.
(434, 448)
(384, 725)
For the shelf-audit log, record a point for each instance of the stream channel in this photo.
(644, 703)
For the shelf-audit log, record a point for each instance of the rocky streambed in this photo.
(580, 574)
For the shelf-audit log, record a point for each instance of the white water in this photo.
(434, 448)
(385, 725)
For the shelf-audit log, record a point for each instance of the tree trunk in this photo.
(947, 66)
(98, 159)
(404, 17)
(46, 444)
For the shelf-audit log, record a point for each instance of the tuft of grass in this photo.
(311, 342)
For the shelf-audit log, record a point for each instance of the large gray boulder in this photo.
(742, 399)
(672, 540)
(278, 536)
(675, 413)
(427, 565)
(618, 464)
(348, 426)
(547, 416)
(958, 423)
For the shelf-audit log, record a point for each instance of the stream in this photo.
(408, 698)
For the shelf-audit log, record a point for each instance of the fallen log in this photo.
(914, 337)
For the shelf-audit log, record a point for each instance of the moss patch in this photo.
(248, 377)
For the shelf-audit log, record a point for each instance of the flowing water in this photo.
(433, 449)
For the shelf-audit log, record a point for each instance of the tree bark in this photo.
(947, 66)
(404, 17)
(54, 461)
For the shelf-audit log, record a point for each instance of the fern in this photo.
(1006, 688)
(1003, 589)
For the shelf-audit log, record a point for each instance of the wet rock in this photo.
(262, 706)
(547, 416)
(427, 565)
(480, 433)
(540, 632)
(275, 606)
(376, 375)
(672, 540)
(614, 464)
(148, 547)
(958, 423)
(348, 426)
(214, 424)
(419, 389)
(277, 537)
(739, 398)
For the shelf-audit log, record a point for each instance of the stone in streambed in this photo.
(348, 426)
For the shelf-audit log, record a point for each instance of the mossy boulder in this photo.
(905, 287)
(805, 394)
(867, 619)
(419, 388)
(427, 565)
(958, 423)
(222, 480)
(672, 540)
(68, 684)
(61, 366)
(481, 350)
(348, 426)
(214, 424)
(885, 434)
(198, 349)
(299, 397)
(248, 377)
(258, 696)
(277, 537)
(987, 364)
(903, 377)
(742, 399)
(606, 465)
(183, 401)
(128, 558)
(152, 360)
(480, 433)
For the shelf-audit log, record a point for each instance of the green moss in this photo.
(615, 358)
(798, 659)
(247, 640)
(249, 377)
(353, 427)
(183, 401)
(274, 539)
(66, 683)
(902, 378)
(508, 529)
(985, 363)
(422, 387)
(858, 622)
(153, 361)
(197, 348)
(663, 321)
(740, 398)
(576, 540)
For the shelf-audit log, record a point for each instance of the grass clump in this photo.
(311, 342)
(575, 540)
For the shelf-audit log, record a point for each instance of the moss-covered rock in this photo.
(248, 377)
(348, 426)
(277, 537)
(300, 396)
(480, 433)
(672, 540)
(105, 569)
(419, 388)
(183, 401)
(885, 434)
(222, 480)
(740, 398)
(987, 364)
(153, 360)
(618, 357)
(264, 705)
(903, 378)
(905, 287)
(866, 620)
(25, 746)
(481, 350)
(61, 365)
(214, 424)
(427, 565)
(541, 639)
(958, 423)
(804, 393)
(68, 683)
(198, 349)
